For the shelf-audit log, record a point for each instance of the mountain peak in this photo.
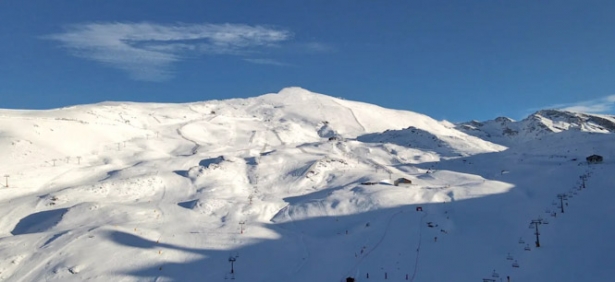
(295, 90)
(503, 130)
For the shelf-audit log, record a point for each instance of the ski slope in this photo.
(293, 186)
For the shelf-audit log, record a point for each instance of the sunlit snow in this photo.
(298, 186)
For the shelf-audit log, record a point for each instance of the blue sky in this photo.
(454, 60)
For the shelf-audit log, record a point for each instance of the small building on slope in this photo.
(594, 159)
(402, 181)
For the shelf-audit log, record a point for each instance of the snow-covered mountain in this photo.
(503, 130)
(299, 186)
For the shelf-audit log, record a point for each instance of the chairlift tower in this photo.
(6, 178)
(561, 198)
(232, 260)
(241, 223)
(536, 222)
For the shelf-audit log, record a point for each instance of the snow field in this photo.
(170, 192)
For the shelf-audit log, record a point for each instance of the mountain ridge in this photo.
(293, 186)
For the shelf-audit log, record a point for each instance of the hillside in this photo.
(298, 186)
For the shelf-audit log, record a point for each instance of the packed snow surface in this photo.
(299, 186)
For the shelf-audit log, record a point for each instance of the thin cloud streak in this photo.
(146, 51)
(595, 106)
(267, 62)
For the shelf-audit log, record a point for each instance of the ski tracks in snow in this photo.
(418, 248)
(300, 235)
(353, 115)
(384, 234)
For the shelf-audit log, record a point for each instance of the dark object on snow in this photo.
(515, 264)
(594, 159)
(369, 183)
(419, 208)
(402, 181)
(350, 279)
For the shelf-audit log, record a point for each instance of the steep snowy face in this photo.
(506, 131)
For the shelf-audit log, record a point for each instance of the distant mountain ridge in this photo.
(506, 131)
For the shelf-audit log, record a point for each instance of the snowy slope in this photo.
(293, 185)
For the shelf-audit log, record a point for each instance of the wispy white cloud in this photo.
(596, 106)
(317, 47)
(146, 50)
(267, 62)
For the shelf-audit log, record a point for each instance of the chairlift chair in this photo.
(509, 257)
(527, 247)
(544, 221)
(495, 274)
(521, 241)
(515, 264)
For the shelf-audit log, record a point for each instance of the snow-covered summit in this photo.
(506, 131)
(294, 186)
